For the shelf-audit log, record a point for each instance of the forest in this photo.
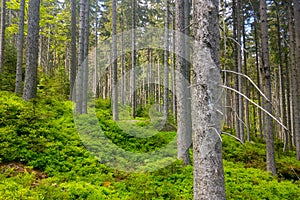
(150, 99)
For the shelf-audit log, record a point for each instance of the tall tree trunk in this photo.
(297, 62)
(18, 87)
(114, 62)
(266, 75)
(281, 81)
(123, 78)
(30, 84)
(208, 164)
(133, 59)
(73, 48)
(2, 35)
(166, 58)
(259, 113)
(79, 80)
(247, 92)
(86, 57)
(184, 131)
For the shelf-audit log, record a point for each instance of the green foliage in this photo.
(41, 134)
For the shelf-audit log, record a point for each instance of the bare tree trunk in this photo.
(266, 75)
(123, 78)
(281, 82)
(30, 84)
(2, 35)
(259, 113)
(80, 73)
(297, 62)
(184, 131)
(133, 59)
(114, 62)
(247, 92)
(18, 87)
(206, 92)
(73, 48)
(239, 70)
(236, 65)
(86, 57)
(166, 66)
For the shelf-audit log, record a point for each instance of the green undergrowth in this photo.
(42, 156)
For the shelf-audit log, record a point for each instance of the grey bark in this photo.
(297, 62)
(184, 131)
(166, 57)
(2, 35)
(114, 62)
(266, 76)
(133, 59)
(79, 79)
(86, 58)
(18, 87)
(208, 165)
(30, 84)
(73, 48)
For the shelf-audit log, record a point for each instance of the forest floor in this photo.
(42, 156)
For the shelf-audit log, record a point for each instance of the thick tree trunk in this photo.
(266, 76)
(208, 164)
(30, 84)
(184, 131)
(18, 87)
(114, 62)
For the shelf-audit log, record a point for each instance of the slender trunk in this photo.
(208, 164)
(114, 63)
(86, 57)
(80, 73)
(266, 75)
(247, 92)
(259, 113)
(297, 62)
(18, 88)
(166, 66)
(2, 35)
(73, 49)
(133, 59)
(236, 68)
(123, 78)
(239, 70)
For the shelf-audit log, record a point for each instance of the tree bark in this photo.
(30, 84)
(2, 35)
(184, 131)
(86, 57)
(133, 59)
(79, 80)
(114, 62)
(166, 57)
(73, 48)
(266, 76)
(206, 92)
(297, 63)
(18, 87)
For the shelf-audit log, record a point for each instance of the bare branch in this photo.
(248, 99)
(238, 139)
(251, 81)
